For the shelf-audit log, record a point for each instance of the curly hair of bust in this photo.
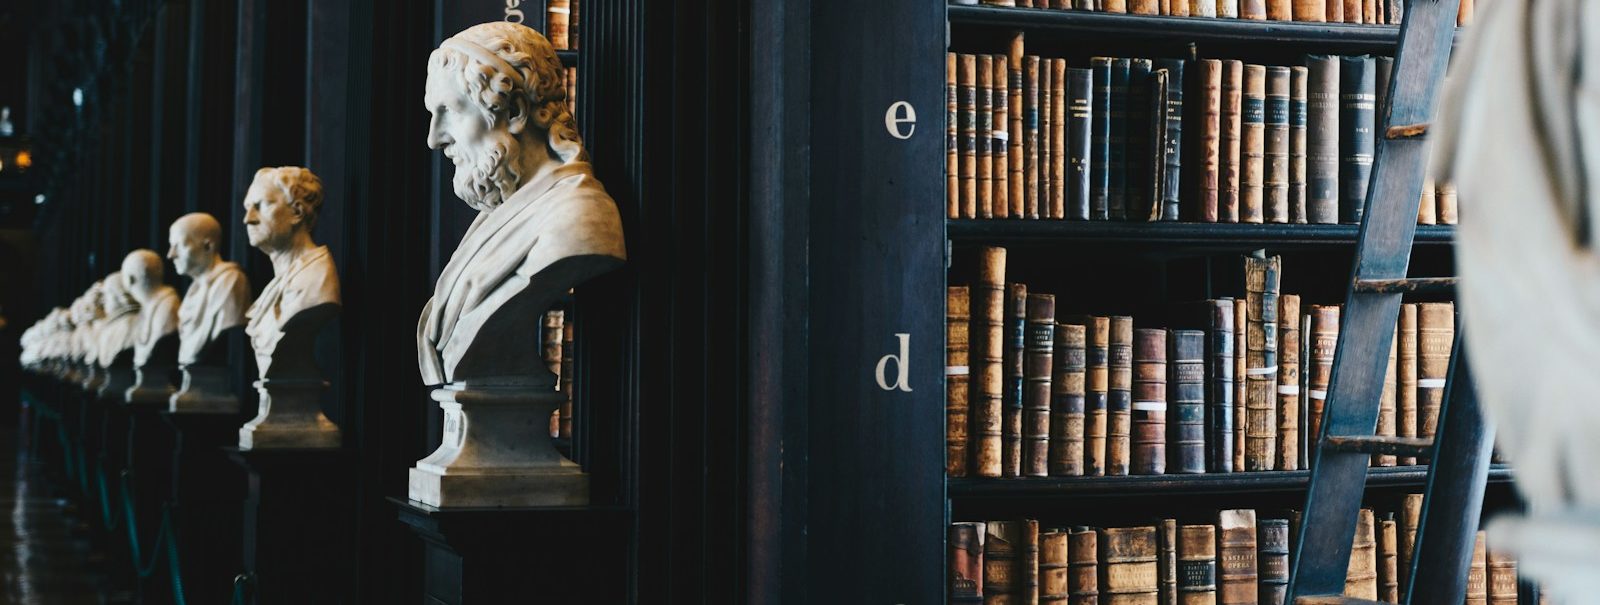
(495, 92)
(302, 188)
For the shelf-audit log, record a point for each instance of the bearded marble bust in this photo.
(497, 101)
(218, 296)
(280, 210)
(116, 332)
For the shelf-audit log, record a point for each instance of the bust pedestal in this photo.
(117, 378)
(497, 451)
(290, 416)
(210, 494)
(204, 390)
(298, 518)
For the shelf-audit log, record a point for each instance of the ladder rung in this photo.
(1406, 131)
(1375, 444)
(1407, 285)
(1333, 600)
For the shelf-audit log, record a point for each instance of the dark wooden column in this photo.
(168, 135)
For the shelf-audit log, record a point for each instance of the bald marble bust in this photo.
(144, 275)
(220, 293)
(280, 210)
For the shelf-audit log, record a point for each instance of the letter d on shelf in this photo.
(902, 379)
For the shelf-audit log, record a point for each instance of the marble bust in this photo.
(220, 293)
(497, 105)
(86, 314)
(280, 210)
(155, 329)
(114, 338)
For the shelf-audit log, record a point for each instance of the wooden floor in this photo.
(46, 557)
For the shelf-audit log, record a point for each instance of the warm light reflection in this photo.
(24, 160)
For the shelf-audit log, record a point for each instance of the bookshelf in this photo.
(1091, 26)
(1210, 236)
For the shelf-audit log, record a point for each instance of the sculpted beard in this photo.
(483, 180)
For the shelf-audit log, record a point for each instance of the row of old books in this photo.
(1031, 137)
(1236, 560)
(1034, 393)
(1331, 11)
(561, 23)
(556, 339)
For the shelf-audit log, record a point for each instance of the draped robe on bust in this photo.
(566, 214)
(310, 281)
(215, 302)
(157, 318)
(115, 334)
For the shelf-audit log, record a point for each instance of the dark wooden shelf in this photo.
(1091, 25)
(1176, 485)
(1219, 236)
(569, 58)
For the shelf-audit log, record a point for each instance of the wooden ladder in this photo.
(1460, 450)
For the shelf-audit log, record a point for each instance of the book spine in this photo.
(1039, 357)
(1334, 11)
(1028, 586)
(956, 380)
(1097, 397)
(1066, 405)
(1240, 384)
(1114, 6)
(1236, 557)
(1427, 206)
(1119, 399)
(1053, 567)
(1210, 84)
(966, 562)
(1030, 143)
(1306, 360)
(1435, 337)
(1167, 562)
(1361, 581)
(1116, 191)
(985, 137)
(1383, 68)
(1405, 396)
(558, 15)
(1172, 151)
(1187, 363)
(568, 340)
(1389, 562)
(1369, 11)
(1252, 146)
(1128, 568)
(1396, 11)
(1228, 9)
(952, 138)
(1100, 139)
(1272, 560)
(1310, 10)
(1357, 102)
(1231, 120)
(1280, 10)
(1083, 574)
(1288, 388)
(967, 80)
(1202, 8)
(1014, 155)
(1149, 439)
(1277, 146)
(1322, 150)
(1253, 9)
(1351, 10)
(1219, 384)
(1080, 90)
(1410, 520)
(1261, 361)
(1502, 578)
(1154, 172)
(1058, 138)
(1001, 138)
(1324, 342)
(1298, 78)
(987, 345)
(1197, 565)
(1016, 319)
(1046, 128)
(1135, 163)
(1447, 203)
(1180, 8)
(1144, 7)
(1386, 400)
(1002, 561)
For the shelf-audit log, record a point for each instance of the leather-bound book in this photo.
(1394, 11)
(1272, 561)
(1083, 573)
(985, 134)
(1046, 128)
(1386, 402)
(1228, 9)
(1053, 567)
(1186, 362)
(1361, 579)
(987, 345)
(1351, 11)
(1031, 120)
(1144, 7)
(1154, 172)
(1236, 557)
(1197, 565)
(1180, 8)
(1502, 578)
(966, 562)
(568, 340)
(1097, 421)
(1128, 570)
(1261, 361)
(1011, 562)
(1288, 388)
(1322, 138)
(1240, 384)
(1428, 206)
(1252, 144)
(1119, 399)
(952, 139)
(1447, 203)
(1136, 158)
(558, 16)
(1334, 12)
(1383, 69)
(1324, 342)
(1036, 371)
(1029, 585)
(956, 380)
(1210, 150)
(1000, 139)
(1058, 138)
(1149, 440)
(1117, 191)
(1410, 519)
(1172, 149)
(1389, 560)
(1202, 8)
(1478, 573)
(1066, 402)
(1016, 318)
(1276, 176)
(1435, 337)
(1220, 375)
(1306, 337)
(1231, 120)
(1167, 562)
(1253, 9)
(967, 81)
(1357, 102)
(1405, 413)
(1298, 80)
(1080, 87)
(1114, 6)
(1100, 139)
(1311, 10)
(1280, 10)
(1014, 155)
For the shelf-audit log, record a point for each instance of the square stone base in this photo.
(504, 488)
(299, 437)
